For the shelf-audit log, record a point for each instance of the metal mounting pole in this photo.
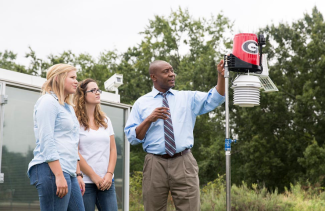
(227, 140)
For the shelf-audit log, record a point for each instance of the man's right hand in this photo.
(158, 113)
(61, 186)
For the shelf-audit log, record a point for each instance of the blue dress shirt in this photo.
(56, 129)
(184, 107)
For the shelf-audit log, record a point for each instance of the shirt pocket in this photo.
(180, 114)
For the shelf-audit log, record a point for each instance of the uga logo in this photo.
(250, 46)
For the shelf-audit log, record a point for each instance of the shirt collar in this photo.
(54, 95)
(155, 92)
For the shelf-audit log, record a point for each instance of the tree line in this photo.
(279, 142)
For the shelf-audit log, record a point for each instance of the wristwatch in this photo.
(80, 174)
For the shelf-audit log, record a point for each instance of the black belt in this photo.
(166, 156)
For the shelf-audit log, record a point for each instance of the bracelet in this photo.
(109, 172)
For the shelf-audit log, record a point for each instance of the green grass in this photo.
(254, 198)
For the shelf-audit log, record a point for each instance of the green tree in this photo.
(37, 66)
(7, 61)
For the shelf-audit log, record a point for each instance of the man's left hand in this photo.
(220, 68)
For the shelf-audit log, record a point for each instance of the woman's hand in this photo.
(97, 180)
(107, 182)
(61, 186)
(81, 185)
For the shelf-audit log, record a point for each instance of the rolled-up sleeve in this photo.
(46, 114)
(205, 102)
(133, 121)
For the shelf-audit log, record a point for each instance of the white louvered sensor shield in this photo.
(246, 91)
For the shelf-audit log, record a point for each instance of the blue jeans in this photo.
(104, 200)
(42, 177)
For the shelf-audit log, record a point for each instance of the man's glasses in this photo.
(95, 91)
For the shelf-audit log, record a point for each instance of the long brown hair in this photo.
(80, 107)
(56, 76)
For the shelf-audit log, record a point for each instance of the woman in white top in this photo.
(97, 148)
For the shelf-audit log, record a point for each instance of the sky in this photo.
(93, 26)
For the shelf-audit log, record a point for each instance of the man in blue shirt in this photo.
(163, 121)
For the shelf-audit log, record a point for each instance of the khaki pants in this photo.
(178, 175)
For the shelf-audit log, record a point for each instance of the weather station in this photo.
(250, 64)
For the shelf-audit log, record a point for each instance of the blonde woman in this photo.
(97, 149)
(54, 166)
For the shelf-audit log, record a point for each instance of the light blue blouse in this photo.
(56, 129)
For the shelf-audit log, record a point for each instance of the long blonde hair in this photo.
(80, 107)
(56, 76)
